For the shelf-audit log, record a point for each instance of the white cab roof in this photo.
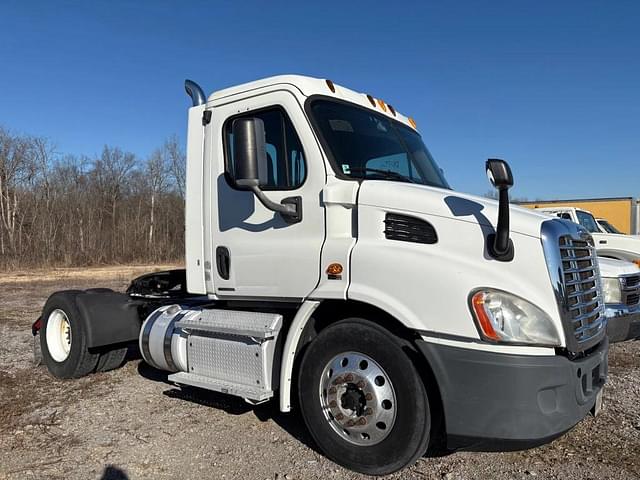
(309, 86)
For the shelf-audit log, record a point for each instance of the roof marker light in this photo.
(383, 105)
(331, 86)
(391, 109)
(371, 100)
(412, 122)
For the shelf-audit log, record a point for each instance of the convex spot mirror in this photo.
(249, 153)
(499, 174)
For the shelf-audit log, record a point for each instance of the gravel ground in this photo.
(132, 424)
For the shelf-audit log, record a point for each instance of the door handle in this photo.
(602, 242)
(223, 262)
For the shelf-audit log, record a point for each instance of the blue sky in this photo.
(553, 87)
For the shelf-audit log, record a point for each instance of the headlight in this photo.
(612, 290)
(503, 317)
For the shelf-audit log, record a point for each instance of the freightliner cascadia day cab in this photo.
(330, 266)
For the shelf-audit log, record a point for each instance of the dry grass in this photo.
(113, 272)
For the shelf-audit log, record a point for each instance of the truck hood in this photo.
(411, 197)
(610, 267)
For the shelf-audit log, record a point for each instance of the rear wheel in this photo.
(362, 399)
(63, 338)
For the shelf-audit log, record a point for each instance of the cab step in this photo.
(200, 381)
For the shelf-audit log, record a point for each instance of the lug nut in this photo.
(332, 391)
(368, 397)
(361, 384)
(349, 378)
(333, 404)
(362, 421)
(339, 416)
(368, 411)
(337, 381)
(350, 423)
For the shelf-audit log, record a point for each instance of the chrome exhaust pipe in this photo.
(195, 92)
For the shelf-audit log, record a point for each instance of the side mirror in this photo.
(251, 167)
(500, 245)
(249, 153)
(499, 174)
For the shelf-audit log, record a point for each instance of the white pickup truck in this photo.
(611, 245)
(621, 289)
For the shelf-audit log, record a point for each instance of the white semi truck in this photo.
(330, 266)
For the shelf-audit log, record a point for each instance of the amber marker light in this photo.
(371, 100)
(383, 105)
(331, 86)
(412, 122)
(637, 262)
(477, 301)
(334, 269)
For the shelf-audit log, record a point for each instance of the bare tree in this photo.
(64, 210)
(16, 170)
(177, 163)
(157, 171)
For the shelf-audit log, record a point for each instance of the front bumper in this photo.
(495, 401)
(623, 323)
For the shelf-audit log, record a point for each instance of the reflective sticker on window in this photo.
(346, 169)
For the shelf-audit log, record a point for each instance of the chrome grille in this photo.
(630, 290)
(632, 280)
(581, 278)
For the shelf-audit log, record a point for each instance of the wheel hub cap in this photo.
(58, 332)
(357, 398)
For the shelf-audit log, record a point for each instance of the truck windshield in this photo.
(587, 221)
(367, 145)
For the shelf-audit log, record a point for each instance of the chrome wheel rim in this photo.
(357, 398)
(58, 335)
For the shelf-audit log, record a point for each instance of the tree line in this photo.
(69, 210)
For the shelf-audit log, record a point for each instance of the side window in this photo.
(286, 161)
(565, 216)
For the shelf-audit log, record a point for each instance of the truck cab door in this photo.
(257, 253)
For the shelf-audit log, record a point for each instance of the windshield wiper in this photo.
(386, 174)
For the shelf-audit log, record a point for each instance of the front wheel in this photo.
(362, 399)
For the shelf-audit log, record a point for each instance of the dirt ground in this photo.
(131, 424)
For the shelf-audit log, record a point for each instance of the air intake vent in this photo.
(408, 229)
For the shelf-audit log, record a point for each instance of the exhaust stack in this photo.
(195, 92)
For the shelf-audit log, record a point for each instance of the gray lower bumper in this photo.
(623, 323)
(501, 401)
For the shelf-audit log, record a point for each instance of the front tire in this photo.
(362, 398)
(63, 338)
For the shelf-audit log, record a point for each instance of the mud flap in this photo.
(37, 351)
(598, 406)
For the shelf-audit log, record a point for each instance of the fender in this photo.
(289, 351)
(110, 318)
(291, 344)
